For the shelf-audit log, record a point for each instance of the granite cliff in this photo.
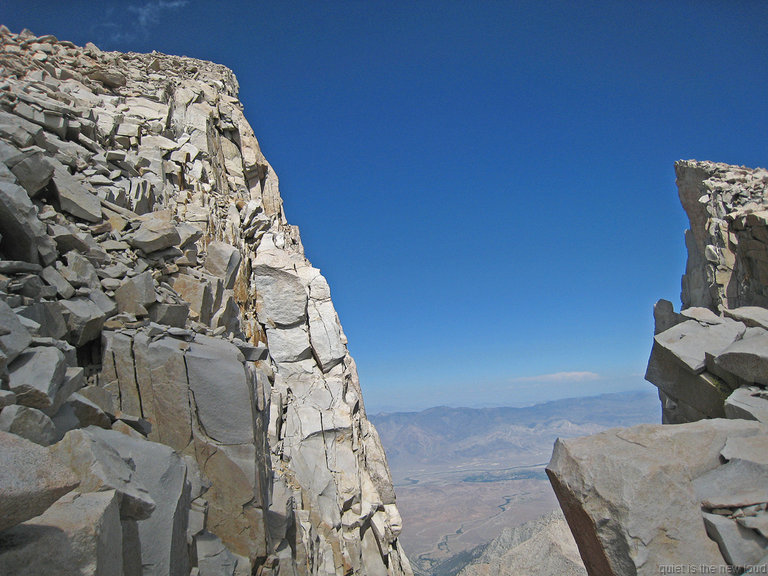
(177, 395)
(690, 495)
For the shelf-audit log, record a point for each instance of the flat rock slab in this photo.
(608, 485)
(747, 358)
(30, 480)
(733, 485)
(749, 315)
(748, 403)
(750, 448)
(690, 341)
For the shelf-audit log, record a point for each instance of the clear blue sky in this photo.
(487, 186)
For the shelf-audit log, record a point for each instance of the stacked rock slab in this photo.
(176, 394)
(655, 499)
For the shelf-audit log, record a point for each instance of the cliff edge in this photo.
(177, 395)
(691, 495)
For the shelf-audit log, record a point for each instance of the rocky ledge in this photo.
(692, 494)
(176, 392)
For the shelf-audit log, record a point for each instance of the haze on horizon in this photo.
(488, 187)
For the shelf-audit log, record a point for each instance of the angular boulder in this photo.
(79, 534)
(609, 488)
(30, 480)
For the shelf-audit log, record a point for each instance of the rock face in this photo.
(174, 362)
(648, 499)
(542, 546)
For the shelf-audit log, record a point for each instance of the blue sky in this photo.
(487, 186)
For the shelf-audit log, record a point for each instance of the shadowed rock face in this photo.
(150, 283)
(649, 498)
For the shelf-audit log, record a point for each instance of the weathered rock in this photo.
(752, 316)
(325, 334)
(136, 294)
(197, 293)
(154, 235)
(222, 390)
(749, 403)
(223, 261)
(747, 358)
(164, 475)
(18, 221)
(30, 480)
(100, 467)
(75, 199)
(54, 278)
(283, 298)
(740, 546)
(33, 173)
(79, 534)
(620, 523)
(14, 338)
(28, 423)
(736, 484)
(84, 320)
(38, 378)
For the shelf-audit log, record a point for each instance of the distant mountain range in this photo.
(442, 435)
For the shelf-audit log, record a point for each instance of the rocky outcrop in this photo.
(655, 499)
(541, 546)
(174, 379)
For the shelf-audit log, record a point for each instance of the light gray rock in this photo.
(282, 295)
(164, 474)
(54, 278)
(170, 314)
(80, 272)
(289, 344)
(740, 546)
(749, 403)
(14, 338)
(154, 235)
(690, 341)
(747, 358)
(228, 315)
(325, 334)
(78, 411)
(75, 199)
(18, 221)
(222, 390)
(100, 467)
(33, 173)
(736, 484)
(84, 320)
(608, 486)
(28, 423)
(104, 302)
(223, 261)
(48, 315)
(751, 448)
(78, 534)
(213, 559)
(37, 377)
(136, 294)
(752, 316)
(30, 480)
